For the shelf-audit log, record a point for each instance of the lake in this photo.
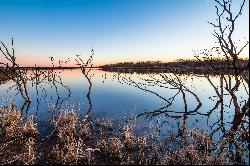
(151, 99)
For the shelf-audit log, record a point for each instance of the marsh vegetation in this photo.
(74, 140)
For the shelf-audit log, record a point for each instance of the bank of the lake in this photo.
(180, 67)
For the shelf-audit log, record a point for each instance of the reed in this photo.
(74, 140)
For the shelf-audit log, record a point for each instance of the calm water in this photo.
(119, 96)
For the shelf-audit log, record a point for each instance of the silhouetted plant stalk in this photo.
(51, 76)
(12, 70)
(85, 69)
(37, 77)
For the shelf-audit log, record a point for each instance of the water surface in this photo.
(150, 98)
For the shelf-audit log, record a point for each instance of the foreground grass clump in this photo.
(74, 140)
(18, 136)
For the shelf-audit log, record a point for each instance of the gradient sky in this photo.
(118, 30)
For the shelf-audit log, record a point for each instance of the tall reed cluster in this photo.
(74, 140)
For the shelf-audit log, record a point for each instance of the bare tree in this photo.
(86, 67)
(37, 77)
(233, 74)
(10, 68)
(224, 28)
(223, 31)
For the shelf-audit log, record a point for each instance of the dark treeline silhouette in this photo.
(181, 66)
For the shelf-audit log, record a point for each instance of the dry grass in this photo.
(76, 141)
(18, 136)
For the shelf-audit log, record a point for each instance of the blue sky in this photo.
(118, 30)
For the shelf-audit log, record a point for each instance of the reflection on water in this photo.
(219, 104)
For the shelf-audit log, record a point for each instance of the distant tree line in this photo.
(178, 66)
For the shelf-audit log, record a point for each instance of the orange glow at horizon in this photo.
(45, 62)
(96, 62)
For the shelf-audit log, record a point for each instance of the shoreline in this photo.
(181, 67)
(216, 67)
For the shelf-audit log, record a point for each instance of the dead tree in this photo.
(37, 78)
(224, 28)
(233, 73)
(85, 69)
(10, 68)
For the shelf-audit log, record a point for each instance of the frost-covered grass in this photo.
(82, 140)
